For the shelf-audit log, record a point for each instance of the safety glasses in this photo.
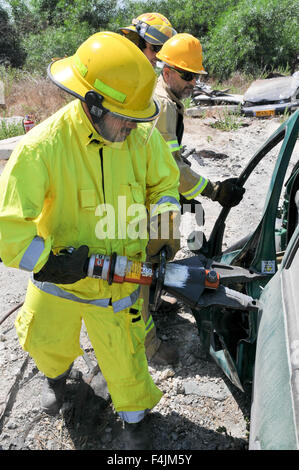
(156, 48)
(185, 75)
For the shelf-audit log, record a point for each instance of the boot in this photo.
(53, 393)
(166, 354)
(137, 436)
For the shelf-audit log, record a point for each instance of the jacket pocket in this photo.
(133, 193)
(88, 199)
(136, 230)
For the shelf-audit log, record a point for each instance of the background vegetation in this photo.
(237, 35)
(241, 40)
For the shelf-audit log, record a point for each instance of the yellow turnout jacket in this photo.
(56, 185)
(170, 125)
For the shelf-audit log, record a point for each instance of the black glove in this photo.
(154, 254)
(65, 268)
(191, 202)
(195, 208)
(229, 194)
(171, 244)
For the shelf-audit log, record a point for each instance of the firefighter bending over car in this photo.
(181, 57)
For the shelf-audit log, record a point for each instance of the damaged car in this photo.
(272, 96)
(204, 96)
(250, 324)
(264, 98)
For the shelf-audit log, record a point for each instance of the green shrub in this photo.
(186, 16)
(53, 42)
(253, 37)
(228, 121)
(8, 130)
(11, 52)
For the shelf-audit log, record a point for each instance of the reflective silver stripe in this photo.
(117, 306)
(126, 302)
(133, 416)
(52, 289)
(32, 254)
(173, 145)
(170, 199)
(197, 189)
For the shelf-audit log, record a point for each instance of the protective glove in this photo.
(155, 246)
(171, 244)
(227, 192)
(195, 208)
(65, 268)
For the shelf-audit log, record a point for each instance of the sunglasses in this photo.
(156, 48)
(185, 75)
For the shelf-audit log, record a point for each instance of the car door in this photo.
(274, 422)
(230, 336)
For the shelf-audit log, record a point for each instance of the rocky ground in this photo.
(200, 408)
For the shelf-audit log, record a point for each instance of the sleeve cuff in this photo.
(197, 189)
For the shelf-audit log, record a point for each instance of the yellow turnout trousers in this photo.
(49, 329)
(152, 342)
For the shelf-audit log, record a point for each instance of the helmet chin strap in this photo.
(95, 107)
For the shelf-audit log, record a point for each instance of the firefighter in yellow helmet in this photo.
(149, 31)
(70, 178)
(181, 57)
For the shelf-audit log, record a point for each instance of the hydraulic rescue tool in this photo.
(197, 281)
(119, 269)
(188, 279)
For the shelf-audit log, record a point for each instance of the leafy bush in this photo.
(11, 52)
(253, 37)
(53, 42)
(55, 28)
(188, 16)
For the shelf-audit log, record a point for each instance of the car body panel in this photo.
(258, 350)
(264, 97)
(275, 404)
(273, 90)
(271, 96)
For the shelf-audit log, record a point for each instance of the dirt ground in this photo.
(200, 408)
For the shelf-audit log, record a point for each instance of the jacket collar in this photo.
(92, 136)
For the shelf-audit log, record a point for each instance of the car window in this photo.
(244, 218)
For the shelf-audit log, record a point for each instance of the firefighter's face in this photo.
(181, 88)
(150, 52)
(115, 129)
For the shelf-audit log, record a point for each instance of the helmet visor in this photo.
(119, 131)
(157, 34)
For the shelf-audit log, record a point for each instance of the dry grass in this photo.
(237, 84)
(40, 98)
(37, 97)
